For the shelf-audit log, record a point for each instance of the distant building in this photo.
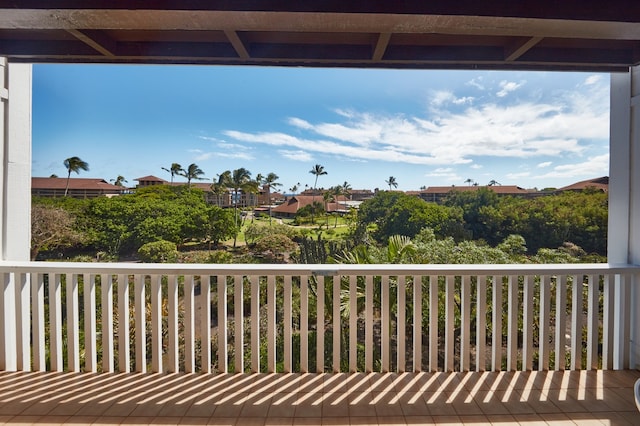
(354, 194)
(601, 184)
(437, 194)
(78, 187)
(150, 181)
(294, 203)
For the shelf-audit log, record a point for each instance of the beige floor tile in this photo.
(446, 420)
(194, 420)
(475, 420)
(364, 421)
(222, 421)
(335, 421)
(279, 421)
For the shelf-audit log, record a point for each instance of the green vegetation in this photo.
(470, 227)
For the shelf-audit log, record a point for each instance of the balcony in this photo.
(391, 343)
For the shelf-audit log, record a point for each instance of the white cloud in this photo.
(446, 173)
(545, 164)
(476, 166)
(592, 79)
(476, 82)
(594, 166)
(443, 97)
(296, 155)
(446, 138)
(507, 87)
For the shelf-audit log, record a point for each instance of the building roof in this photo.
(296, 202)
(601, 183)
(498, 189)
(151, 178)
(77, 184)
(587, 35)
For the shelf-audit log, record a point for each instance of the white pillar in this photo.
(624, 213)
(15, 206)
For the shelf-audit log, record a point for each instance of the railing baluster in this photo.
(527, 321)
(481, 323)
(401, 323)
(320, 287)
(73, 325)
(576, 323)
(288, 324)
(368, 319)
(496, 323)
(205, 325)
(561, 322)
(544, 345)
(512, 323)
(156, 323)
(592, 322)
(465, 323)
(304, 324)
(433, 323)
(90, 323)
(417, 323)
(140, 324)
(172, 319)
(55, 321)
(238, 315)
(223, 324)
(337, 331)
(23, 321)
(353, 323)
(123, 324)
(271, 324)
(607, 322)
(189, 324)
(106, 324)
(449, 316)
(385, 324)
(37, 307)
(254, 285)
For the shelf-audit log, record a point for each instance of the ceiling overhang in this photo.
(499, 34)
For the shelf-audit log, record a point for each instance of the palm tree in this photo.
(192, 172)
(271, 181)
(494, 182)
(328, 197)
(469, 181)
(317, 171)
(238, 180)
(74, 164)
(294, 188)
(176, 169)
(118, 181)
(392, 182)
(346, 189)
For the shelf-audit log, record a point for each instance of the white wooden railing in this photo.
(111, 315)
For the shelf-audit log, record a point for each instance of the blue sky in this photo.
(425, 128)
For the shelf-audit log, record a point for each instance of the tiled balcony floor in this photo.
(530, 398)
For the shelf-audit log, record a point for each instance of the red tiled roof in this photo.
(295, 203)
(498, 189)
(150, 178)
(74, 184)
(601, 183)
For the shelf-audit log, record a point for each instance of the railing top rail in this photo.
(313, 269)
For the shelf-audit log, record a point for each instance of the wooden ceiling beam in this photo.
(97, 40)
(237, 44)
(381, 46)
(516, 50)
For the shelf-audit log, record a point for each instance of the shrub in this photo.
(158, 252)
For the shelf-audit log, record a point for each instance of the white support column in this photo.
(15, 199)
(624, 212)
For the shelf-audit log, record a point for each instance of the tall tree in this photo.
(391, 182)
(469, 181)
(240, 181)
(317, 171)
(74, 164)
(119, 181)
(271, 181)
(494, 182)
(193, 172)
(346, 189)
(175, 169)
